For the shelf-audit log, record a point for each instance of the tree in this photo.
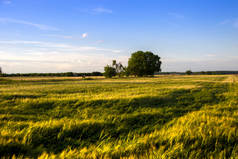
(69, 74)
(126, 72)
(96, 74)
(1, 71)
(188, 72)
(144, 63)
(115, 69)
(119, 68)
(109, 71)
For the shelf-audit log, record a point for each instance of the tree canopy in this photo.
(144, 63)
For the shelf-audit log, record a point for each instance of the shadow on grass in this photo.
(13, 148)
(127, 118)
(19, 96)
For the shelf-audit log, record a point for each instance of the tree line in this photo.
(63, 74)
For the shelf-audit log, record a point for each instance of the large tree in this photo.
(144, 63)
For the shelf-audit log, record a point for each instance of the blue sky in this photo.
(85, 35)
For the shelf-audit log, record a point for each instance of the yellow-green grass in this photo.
(164, 116)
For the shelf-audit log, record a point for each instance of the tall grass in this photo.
(160, 117)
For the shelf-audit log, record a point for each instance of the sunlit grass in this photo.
(153, 117)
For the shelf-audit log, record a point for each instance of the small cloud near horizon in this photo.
(84, 35)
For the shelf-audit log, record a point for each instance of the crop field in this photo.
(170, 116)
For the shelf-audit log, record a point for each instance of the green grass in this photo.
(160, 117)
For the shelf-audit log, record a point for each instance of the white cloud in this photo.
(102, 10)
(38, 56)
(176, 15)
(58, 46)
(38, 26)
(84, 35)
(37, 60)
(59, 36)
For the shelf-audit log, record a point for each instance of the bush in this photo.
(109, 71)
(189, 72)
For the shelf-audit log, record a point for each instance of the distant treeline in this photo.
(64, 74)
(201, 73)
(73, 74)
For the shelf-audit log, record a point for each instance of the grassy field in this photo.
(160, 117)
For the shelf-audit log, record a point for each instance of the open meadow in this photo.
(170, 116)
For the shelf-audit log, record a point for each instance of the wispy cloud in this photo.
(38, 56)
(23, 22)
(58, 46)
(57, 63)
(6, 2)
(210, 55)
(176, 15)
(227, 21)
(84, 35)
(59, 36)
(231, 22)
(95, 11)
(102, 10)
